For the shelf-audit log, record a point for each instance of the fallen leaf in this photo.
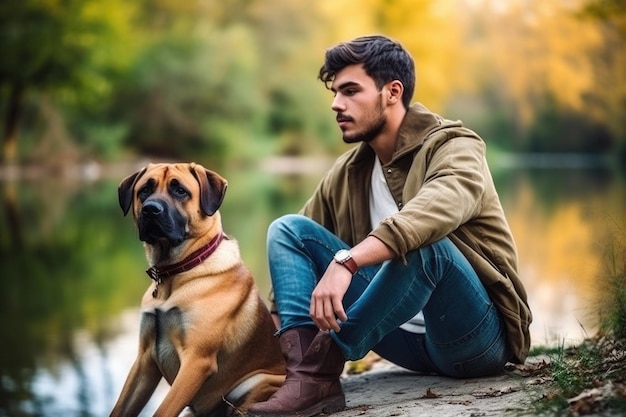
(529, 368)
(431, 394)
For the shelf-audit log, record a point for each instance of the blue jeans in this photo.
(464, 335)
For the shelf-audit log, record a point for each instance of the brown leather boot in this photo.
(294, 343)
(311, 387)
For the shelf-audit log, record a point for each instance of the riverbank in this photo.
(388, 390)
(385, 390)
(391, 391)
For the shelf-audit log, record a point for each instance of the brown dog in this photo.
(203, 325)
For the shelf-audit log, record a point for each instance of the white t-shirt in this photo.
(383, 205)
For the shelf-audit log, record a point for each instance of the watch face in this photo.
(342, 255)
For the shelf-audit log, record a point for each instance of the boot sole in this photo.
(327, 406)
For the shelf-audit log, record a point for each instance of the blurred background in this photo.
(91, 90)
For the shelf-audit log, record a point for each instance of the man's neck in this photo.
(384, 145)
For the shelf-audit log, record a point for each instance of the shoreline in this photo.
(389, 390)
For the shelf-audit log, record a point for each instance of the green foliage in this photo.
(545, 350)
(570, 375)
(40, 42)
(571, 372)
(104, 139)
(202, 89)
(192, 98)
(237, 79)
(583, 135)
(65, 43)
(65, 52)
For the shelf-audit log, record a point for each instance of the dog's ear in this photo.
(212, 188)
(125, 190)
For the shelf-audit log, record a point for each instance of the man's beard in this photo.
(372, 130)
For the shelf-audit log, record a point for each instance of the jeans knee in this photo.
(282, 224)
(287, 228)
(440, 259)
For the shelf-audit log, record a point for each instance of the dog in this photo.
(204, 327)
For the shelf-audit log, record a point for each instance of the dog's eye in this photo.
(178, 190)
(144, 192)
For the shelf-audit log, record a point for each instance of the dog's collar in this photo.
(158, 273)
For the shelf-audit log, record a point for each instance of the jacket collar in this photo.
(417, 125)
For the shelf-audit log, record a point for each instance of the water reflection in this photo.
(73, 272)
(561, 220)
(88, 383)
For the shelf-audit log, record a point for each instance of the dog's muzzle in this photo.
(159, 221)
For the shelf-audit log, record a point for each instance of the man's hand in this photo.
(327, 297)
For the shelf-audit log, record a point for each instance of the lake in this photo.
(72, 269)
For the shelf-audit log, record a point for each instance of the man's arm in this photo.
(327, 297)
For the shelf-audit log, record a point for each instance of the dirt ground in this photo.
(387, 390)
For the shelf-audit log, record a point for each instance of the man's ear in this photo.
(125, 190)
(395, 89)
(212, 188)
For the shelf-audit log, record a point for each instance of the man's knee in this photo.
(436, 259)
(287, 223)
(286, 228)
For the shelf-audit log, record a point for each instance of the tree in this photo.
(541, 50)
(609, 62)
(49, 46)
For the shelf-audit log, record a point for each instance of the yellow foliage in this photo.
(428, 29)
(541, 47)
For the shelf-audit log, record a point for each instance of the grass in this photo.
(586, 379)
(612, 302)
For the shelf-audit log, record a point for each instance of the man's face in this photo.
(358, 104)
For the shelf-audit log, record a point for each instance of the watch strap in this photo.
(350, 265)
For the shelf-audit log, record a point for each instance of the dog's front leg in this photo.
(142, 380)
(194, 371)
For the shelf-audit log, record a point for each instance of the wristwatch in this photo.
(344, 257)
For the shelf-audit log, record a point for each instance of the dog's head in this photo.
(173, 202)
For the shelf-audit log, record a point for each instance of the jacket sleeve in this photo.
(447, 195)
(318, 207)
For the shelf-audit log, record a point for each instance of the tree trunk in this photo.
(11, 124)
(13, 217)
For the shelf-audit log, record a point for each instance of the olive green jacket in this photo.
(440, 180)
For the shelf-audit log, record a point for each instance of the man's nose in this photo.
(338, 104)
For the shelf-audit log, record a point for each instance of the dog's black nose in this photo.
(152, 208)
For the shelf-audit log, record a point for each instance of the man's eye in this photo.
(350, 92)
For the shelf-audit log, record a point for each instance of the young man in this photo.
(403, 248)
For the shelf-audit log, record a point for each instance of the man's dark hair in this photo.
(383, 59)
